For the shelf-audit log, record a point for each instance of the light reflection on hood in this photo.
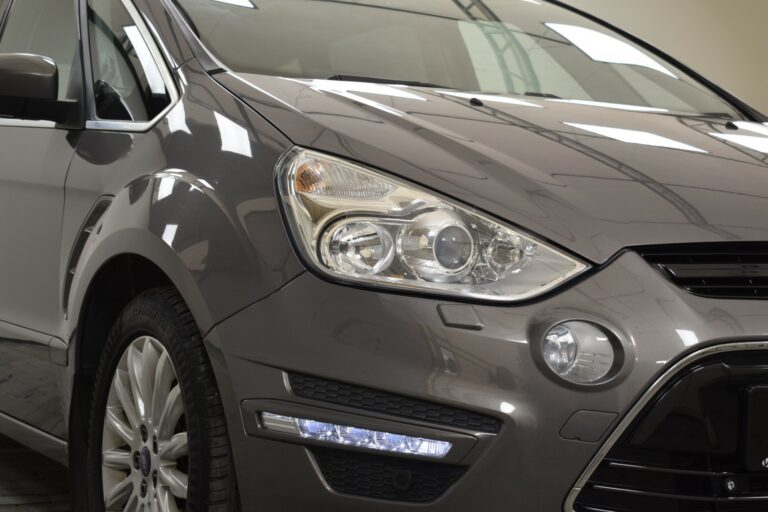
(636, 137)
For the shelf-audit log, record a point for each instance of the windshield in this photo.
(516, 47)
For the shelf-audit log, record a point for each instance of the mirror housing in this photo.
(28, 76)
(29, 90)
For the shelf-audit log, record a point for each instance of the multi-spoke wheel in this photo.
(144, 444)
(157, 441)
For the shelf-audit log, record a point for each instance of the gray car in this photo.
(378, 255)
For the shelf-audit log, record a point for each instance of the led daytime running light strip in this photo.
(353, 436)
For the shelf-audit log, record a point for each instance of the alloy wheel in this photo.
(144, 439)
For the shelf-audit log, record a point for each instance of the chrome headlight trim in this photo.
(320, 193)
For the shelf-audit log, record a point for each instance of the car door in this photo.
(34, 158)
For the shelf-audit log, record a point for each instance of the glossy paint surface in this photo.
(594, 178)
(402, 345)
(31, 204)
(194, 194)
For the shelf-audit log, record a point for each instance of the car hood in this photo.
(593, 178)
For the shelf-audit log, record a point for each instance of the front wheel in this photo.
(157, 438)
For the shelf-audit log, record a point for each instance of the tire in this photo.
(136, 447)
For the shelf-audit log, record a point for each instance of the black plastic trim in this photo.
(359, 397)
(385, 478)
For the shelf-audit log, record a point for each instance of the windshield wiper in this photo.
(720, 115)
(377, 80)
(543, 95)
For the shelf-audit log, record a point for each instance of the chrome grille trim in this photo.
(644, 400)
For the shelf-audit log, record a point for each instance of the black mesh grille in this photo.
(731, 271)
(699, 446)
(379, 401)
(385, 478)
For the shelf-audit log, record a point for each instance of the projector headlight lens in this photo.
(579, 352)
(360, 226)
(437, 247)
(353, 436)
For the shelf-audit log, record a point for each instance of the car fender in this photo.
(177, 222)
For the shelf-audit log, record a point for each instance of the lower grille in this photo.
(385, 478)
(730, 271)
(315, 388)
(700, 446)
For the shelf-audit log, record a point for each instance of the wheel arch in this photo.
(99, 298)
(171, 228)
(124, 254)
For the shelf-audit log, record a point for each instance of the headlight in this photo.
(359, 226)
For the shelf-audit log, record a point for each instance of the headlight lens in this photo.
(360, 226)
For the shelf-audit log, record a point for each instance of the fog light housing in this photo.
(354, 436)
(579, 352)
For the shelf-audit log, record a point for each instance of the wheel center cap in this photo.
(146, 461)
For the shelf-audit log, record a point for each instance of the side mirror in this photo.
(28, 76)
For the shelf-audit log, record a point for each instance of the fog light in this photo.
(353, 436)
(579, 352)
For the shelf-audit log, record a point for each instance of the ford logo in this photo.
(146, 461)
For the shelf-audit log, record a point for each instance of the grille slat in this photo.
(680, 497)
(724, 282)
(686, 451)
(654, 469)
(359, 397)
(729, 271)
(632, 479)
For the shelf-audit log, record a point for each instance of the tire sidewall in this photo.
(143, 318)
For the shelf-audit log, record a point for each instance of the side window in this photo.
(47, 28)
(127, 82)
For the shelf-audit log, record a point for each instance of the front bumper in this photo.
(401, 345)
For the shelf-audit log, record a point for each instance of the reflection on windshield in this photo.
(635, 137)
(154, 78)
(508, 47)
(604, 48)
(238, 3)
